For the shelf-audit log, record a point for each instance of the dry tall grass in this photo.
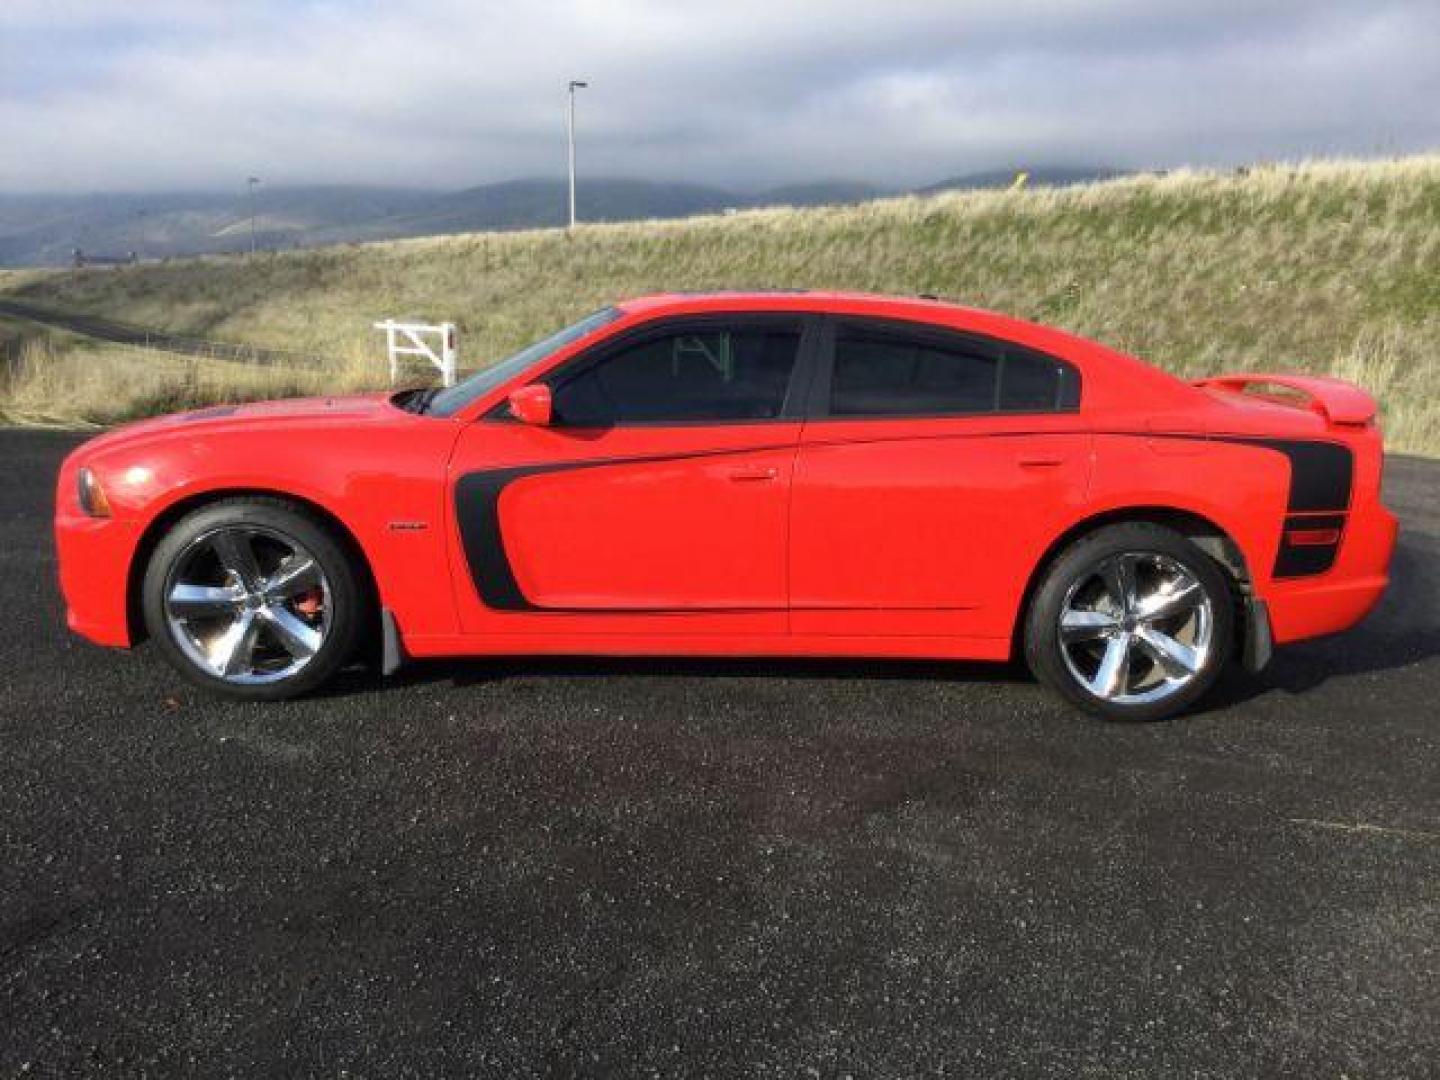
(55, 382)
(1329, 266)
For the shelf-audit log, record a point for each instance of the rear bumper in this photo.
(95, 556)
(1339, 598)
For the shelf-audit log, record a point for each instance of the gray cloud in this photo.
(150, 94)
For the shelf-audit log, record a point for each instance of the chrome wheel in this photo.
(1137, 628)
(247, 604)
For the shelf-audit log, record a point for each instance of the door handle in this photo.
(1041, 462)
(741, 475)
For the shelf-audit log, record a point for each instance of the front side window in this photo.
(450, 401)
(889, 372)
(708, 373)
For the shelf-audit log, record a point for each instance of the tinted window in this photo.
(1030, 382)
(692, 375)
(448, 402)
(885, 374)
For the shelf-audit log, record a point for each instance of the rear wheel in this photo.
(253, 598)
(1131, 622)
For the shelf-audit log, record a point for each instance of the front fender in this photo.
(382, 484)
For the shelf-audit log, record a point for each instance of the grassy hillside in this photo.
(1329, 267)
(54, 378)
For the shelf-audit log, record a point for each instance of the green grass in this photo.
(1322, 267)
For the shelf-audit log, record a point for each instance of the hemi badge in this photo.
(408, 526)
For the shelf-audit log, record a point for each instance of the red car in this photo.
(770, 473)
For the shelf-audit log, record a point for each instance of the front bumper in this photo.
(95, 556)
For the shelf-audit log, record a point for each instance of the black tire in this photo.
(1079, 566)
(347, 604)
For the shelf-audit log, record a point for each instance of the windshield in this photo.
(449, 402)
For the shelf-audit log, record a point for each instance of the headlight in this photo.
(92, 495)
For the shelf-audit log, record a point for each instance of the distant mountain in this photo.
(527, 204)
(820, 193)
(45, 230)
(39, 230)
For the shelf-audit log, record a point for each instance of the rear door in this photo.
(656, 501)
(929, 481)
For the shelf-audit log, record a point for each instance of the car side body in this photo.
(876, 533)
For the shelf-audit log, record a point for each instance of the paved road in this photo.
(728, 869)
(125, 334)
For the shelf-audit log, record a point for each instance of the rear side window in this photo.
(1033, 382)
(892, 372)
(892, 375)
(698, 374)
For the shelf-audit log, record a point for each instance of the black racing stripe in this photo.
(477, 511)
(1321, 473)
(1321, 476)
(1297, 562)
(1302, 560)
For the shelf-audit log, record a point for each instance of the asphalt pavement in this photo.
(652, 868)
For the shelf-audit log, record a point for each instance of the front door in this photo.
(655, 502)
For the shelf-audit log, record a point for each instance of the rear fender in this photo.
(1241, 489)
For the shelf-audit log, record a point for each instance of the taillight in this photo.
(92, 495)
(1313, 537)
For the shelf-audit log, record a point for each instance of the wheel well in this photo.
(1201, 531)
(170, 515)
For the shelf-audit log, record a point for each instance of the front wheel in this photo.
(1131, 622)
(253, 598)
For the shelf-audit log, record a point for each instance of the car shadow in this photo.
(740, 668)
(483, 671)
(1404, 629)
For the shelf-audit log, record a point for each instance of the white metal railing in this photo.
(409, 339)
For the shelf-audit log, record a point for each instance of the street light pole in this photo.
(250, 184)
(575, 84)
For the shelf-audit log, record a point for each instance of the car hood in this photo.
(349, 409)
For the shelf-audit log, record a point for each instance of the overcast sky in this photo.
(196, 94)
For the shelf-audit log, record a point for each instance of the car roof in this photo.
(925, 308)
(781, 299)
(1114, 379)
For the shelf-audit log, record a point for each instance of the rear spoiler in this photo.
(1338, 401)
